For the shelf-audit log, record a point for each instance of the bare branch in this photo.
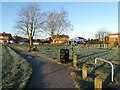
(30, 20)
(56, 22)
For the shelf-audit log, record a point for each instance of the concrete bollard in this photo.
(97, 84)
(75, 61)
(84, 72)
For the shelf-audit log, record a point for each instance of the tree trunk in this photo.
(52, 39)
(31, 40)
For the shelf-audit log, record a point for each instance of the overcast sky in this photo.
(86, 17)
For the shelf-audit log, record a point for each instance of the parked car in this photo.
(11, 42)
(21, 42)
(35, 43)
(78, 40)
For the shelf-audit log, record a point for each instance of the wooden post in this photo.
(97, 84)
(84, 72)
(75, 61)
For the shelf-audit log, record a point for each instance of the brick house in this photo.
(114, 38)
(19, 38)
(5, 38)
(59, 39)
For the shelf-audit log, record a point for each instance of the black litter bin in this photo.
(64, 55)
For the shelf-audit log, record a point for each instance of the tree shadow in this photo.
(117, 70)
(93, 58)
(84, 84)
(107, 81)
(79, 57)
(42, 76)
(96, 68)
(35, 81)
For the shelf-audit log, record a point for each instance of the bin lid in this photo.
(64, 50)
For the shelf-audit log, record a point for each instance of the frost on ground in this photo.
(86, 57)
(15, 69)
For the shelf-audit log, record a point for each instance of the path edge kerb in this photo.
(42, 56)
(27, 62)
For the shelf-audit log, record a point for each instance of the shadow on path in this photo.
(46, 74)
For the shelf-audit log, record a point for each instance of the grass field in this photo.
(15, 69)
(86, 57)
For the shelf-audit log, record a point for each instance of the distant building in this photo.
(79, 39)
(113, 38)
(59, 39)
(19, 39)
(104, 39)
(5, 38)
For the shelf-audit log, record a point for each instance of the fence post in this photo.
(75, 61)
(84, 72)
(97, 84)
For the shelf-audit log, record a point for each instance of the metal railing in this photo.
(112, 72)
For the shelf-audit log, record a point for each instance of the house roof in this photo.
(114, 34)
(61, 36)
(17, 36)
(80, 37)
(5, 34)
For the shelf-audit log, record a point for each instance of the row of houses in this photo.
(58, 39)
(6, 37)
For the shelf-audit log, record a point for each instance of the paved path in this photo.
(46, 73)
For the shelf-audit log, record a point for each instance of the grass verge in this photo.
(15, 69)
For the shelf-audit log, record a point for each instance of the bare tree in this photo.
(56, 23)
(30, 21)
(102, 35)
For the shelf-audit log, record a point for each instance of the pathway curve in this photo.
(46, 73)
